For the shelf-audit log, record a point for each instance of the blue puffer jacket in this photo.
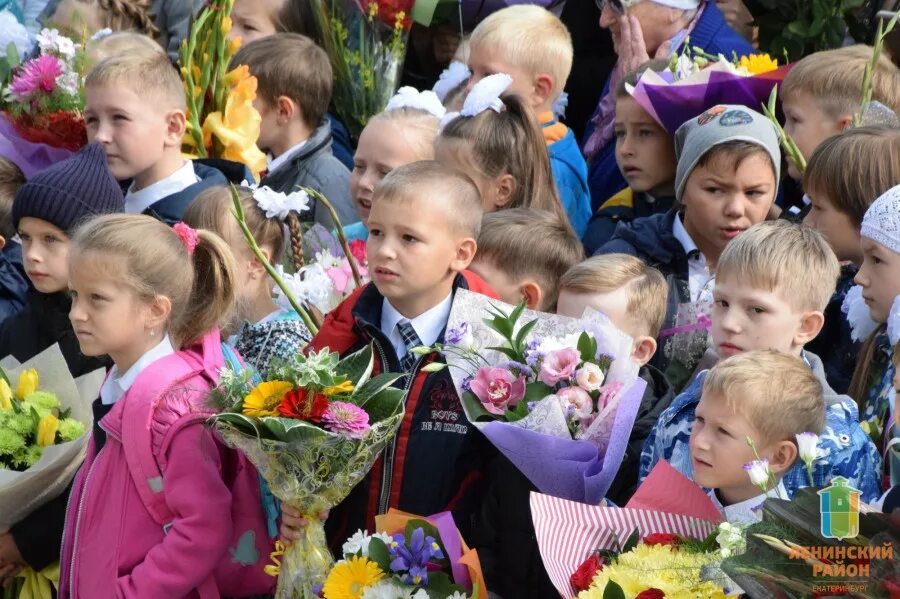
(844, 449)
(714, 36)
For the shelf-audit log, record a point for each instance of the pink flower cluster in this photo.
(37, 76)
(498, 389)
(346, 419)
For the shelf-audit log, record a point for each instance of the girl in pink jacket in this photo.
(148, 295)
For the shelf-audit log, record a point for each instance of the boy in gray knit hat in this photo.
(729, 165)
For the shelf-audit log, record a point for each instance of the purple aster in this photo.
(513, 365)
(456, 335)
(467, 383)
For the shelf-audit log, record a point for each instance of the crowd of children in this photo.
(745, 323)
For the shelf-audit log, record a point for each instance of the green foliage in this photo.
(791, 29)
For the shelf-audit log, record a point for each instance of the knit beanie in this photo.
(881, 223)
(721, 124)
(78, 187)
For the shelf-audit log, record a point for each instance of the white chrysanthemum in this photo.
(277, 204)
(51, 42)
(69, 83)
(13, 32)
(359, 542)
(388, 589)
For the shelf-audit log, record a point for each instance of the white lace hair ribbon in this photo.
(450, 79)
(277, 204)
(410, 97)
(485, 95)
(893, 322)
(861, 323)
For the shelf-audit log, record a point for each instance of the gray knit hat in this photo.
(76, 188)
(718, 125)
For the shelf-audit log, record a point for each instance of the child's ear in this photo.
(845, 122)
(2, 242)
(532, 294)
(506, 187)
(782, 457)
(465, 252)
(287, 110)
(810, 324)
(543, 87)
(643, 349)
(256, 267)
(160, 308)
(176, 122)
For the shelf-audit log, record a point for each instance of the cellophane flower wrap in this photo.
(45, 423)
(411, 556)
(693, 84)
(366, 41)
(313, 429)
(558, 396)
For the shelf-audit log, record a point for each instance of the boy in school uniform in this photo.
(771, 286)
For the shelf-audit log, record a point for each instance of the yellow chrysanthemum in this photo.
(758, 63)
(675, 573)
(344, 388)
(349, 579)
(238, 128)
(264, 399)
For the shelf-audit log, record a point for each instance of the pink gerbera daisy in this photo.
(346, 419)
(38, 75)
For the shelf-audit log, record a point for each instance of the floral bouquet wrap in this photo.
(313, 430)
(557, 396)
(44, 429)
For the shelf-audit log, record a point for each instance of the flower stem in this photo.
(789, 146)
(339, 230)
(866, 98)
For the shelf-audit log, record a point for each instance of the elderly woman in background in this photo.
(644, 29)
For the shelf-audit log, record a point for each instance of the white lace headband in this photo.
(450, 79)
(860, 320)
(882, 220)
(485, 95)
(410, 97)
(277, 204)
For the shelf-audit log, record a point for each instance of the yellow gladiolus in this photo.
(758, 63)
(238, 128)
(344, 388)
(264, 399)
(5, 395)
(46, 432)
(226, 25)
(28, 383)
(234, 44)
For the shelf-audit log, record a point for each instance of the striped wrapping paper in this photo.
(568, 531)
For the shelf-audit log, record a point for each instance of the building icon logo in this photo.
(839, 505)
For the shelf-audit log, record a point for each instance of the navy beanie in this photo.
(70, 191)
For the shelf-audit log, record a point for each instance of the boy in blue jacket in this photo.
(772, 284)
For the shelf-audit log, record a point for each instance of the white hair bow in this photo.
(485, 95)
(277, 204)
(450, 79)
(410, 97)
(861, 323)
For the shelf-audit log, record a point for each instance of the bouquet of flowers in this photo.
(366, 41)
(43, 435)
(558, 396)
(313, 429)
(42, 119)
(221, 119)
(414, 557)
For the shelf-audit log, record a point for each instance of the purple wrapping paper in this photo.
(568, 468)
(30, 157)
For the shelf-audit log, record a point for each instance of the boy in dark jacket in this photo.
(632, 295)
(13, 281)
(45, 210)
(423, 226)
(294, 76)
(729, 163)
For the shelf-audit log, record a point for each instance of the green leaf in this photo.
(501, 325)
(536, 391)
(587, 347)
(440, 585)
(631, 542)
(12, 56)
(378, 553)
(523, 334)
(292, 431)
(373, 387)
(475, 412)
(798, 28)
(357, 366)
(385, 404)
(517, 412)
(506, 351)
(613, 591)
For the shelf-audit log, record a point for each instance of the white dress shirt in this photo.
(138, 201)
(116, 384)
(428, 325)
(276, 163)
(748, 511)
(699, 277)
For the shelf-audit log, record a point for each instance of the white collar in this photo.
(747, 511)
(428, 325)
(136, 202)
(275, 163)
(683, 237)
(116, 385)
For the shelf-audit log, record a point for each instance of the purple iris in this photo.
(413, 558)
(456, 335)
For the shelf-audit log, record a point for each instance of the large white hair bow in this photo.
(277, 204)
(450, 79)
(410, 97)
(861, 323)
(485, 95)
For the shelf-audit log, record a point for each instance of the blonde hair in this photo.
(11, 179)
(150, 77)
(778, 393)
(522, 242)
(122, 43)
(790, 257)
(126, 15)
(418, 128)
(834, 78)
(155, 262)
(452, 189)
(647, 289)
(531, 38)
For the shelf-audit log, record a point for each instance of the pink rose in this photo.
(580, 401)
(589, 377)
(497, 389)
(559, 365)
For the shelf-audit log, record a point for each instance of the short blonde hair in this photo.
(531, 38)
(122, 43)
(151, 77)
(789, 257)
(606, 273)
(834, 77)
(523, 242)
(418, 128)
(777, 393)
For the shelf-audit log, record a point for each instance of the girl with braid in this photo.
(80, 18)
(260, 329)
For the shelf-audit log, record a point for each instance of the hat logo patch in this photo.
(735, 118)
(710, 114)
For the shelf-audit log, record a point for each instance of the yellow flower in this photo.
(349, 579)
(5, 395)
(758, 63)
(28, 383)
(344, 388)
(226, 25)
(46, 432)
(264, 399)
